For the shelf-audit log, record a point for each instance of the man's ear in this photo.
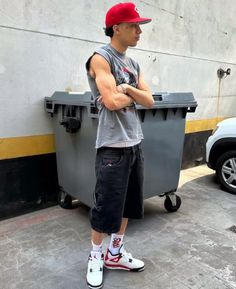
(116, 29)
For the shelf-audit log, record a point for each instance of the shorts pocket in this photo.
(111, 160)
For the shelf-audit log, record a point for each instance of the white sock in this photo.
(115, 243)
(96, 250)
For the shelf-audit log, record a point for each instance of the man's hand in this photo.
(120, 89)
(141, 94)
(100, 99)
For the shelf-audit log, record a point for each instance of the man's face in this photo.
(129, 33)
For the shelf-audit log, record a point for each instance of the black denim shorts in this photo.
(119, 187)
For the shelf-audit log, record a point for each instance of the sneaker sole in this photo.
(94, 287)
(117, 267)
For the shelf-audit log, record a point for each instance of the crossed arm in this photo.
(112, 96)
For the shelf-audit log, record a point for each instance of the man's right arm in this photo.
(106, 84)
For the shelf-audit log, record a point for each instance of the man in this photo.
(117, 84)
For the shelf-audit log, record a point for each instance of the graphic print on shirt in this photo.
(125, 75)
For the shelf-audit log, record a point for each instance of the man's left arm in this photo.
(142, 94)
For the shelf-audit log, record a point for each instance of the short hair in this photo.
(109, 31)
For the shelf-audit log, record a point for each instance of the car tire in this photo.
(226, 171)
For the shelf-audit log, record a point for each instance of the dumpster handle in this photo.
(70, 120)
(93, 110)
(49, 106)
(71, 124)
(191, 109)
(158, 97)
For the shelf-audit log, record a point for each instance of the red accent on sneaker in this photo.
(123, 260)
(117, 266)
(116, 258)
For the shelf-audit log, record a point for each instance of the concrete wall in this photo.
(44, 45)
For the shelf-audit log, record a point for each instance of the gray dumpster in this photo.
(75, 119)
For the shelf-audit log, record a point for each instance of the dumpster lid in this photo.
(162, 100)
(71, 98)
(174, 99)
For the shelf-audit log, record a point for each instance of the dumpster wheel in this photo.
(172, 203)
(66, 201)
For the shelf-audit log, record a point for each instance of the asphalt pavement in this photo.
(192, 248)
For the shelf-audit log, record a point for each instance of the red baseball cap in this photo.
(124, 13)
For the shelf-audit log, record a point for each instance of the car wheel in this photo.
(226, 171)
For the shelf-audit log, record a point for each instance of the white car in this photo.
(221, 153)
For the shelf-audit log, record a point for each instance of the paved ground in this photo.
(191, 248)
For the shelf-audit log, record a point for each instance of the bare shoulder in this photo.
(99, 62)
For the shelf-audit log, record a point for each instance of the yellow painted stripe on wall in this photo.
(26, 146)
(201, 124)
(43, 144)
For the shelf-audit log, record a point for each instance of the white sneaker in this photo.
(95, 271)
(123, 261)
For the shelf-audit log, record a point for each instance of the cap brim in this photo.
(140, 20)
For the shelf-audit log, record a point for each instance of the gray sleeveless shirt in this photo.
(118, 126)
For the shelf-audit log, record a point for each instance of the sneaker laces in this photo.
(127, 256)
(95, 264)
